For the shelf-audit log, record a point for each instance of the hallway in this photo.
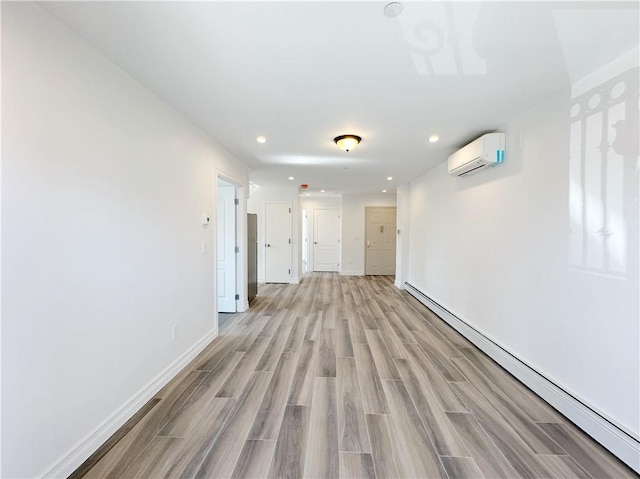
(346, 377)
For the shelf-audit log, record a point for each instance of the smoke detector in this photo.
(392, 9)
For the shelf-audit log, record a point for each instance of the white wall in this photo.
(103, 188)
(353, 228)
(311, 203)
(256, 204)
(503, 249)
(403, 222)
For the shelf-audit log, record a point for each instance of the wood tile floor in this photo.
(346, 377)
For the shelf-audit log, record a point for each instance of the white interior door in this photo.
(226, 249)
(326, 239)
(380, 250)
(305, 242)
(277, 242)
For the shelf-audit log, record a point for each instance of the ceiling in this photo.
(302, 73)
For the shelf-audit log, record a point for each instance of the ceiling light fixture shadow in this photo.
(347, 142)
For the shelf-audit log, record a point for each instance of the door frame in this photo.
(241, 241)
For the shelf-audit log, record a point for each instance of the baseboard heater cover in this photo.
(616, 440)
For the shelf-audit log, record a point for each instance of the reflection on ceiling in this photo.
(298, 74)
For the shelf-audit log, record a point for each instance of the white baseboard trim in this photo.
(398, 284)
(603, 430)
(352, 273)
(70, 461)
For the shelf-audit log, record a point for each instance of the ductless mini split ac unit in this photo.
(484, 152)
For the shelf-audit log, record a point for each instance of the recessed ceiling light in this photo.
(392, 9)
(384, 191)
(321, 191)
(308, 194)
(389, 178)
(291, 178)
(433, 138)
(261, 139)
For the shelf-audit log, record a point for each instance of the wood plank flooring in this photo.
(346, 377)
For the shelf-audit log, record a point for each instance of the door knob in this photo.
(368, 243)
(268, 245)
(315, 242)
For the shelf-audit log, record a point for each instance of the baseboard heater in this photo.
(619, 442)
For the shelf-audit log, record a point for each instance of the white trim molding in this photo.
(613, 437)
(73, 459)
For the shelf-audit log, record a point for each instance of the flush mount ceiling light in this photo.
(347, 142)
(433, 138)
(261, 139)
(389, 178)
(291, 178)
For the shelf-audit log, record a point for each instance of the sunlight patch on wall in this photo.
(603, 156)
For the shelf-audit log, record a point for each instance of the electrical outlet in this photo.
(175, 332)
